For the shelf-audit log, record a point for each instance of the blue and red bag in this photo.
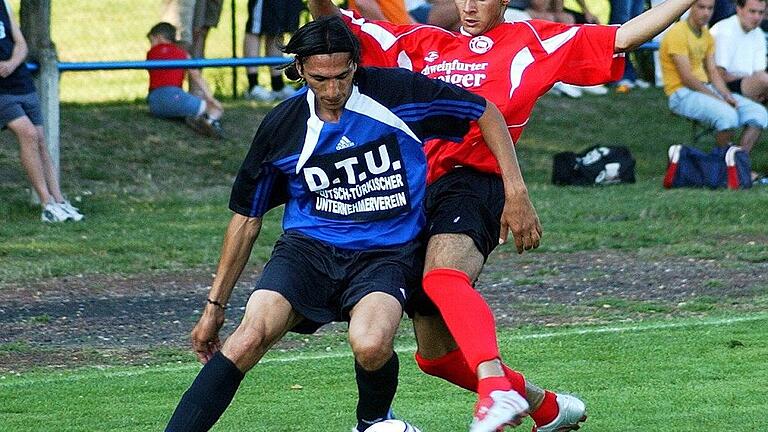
(723, 167)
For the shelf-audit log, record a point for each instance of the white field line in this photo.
(94, 374)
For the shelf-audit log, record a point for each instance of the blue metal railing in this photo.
(167, 64)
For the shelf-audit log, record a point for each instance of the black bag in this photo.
(598, 165)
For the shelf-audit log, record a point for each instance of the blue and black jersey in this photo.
(359, 183)
(19, 82)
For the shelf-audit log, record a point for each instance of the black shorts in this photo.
(273, 17)
(466, 201)
(323, 282)
(734, 86)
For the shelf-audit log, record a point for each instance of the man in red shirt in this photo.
(167, 98)
(512, 65)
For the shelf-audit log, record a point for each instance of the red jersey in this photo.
(512, 66)
(166, 77)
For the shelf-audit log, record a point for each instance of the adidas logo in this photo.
(344, 142)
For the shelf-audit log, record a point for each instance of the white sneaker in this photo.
(597, 90)
(52, 212)
(568, 90)
(73, 211)
(500, 409)
(259, 93)
(642, 84)
(572, 412)
(283, 93)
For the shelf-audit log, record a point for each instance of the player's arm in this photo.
(518, 214)
(20, 49)
(241, 233)
(320, 8)
(650, 23)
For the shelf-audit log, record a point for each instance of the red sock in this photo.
(467, 315)
(547, 411)
(516, 379)
(451, 367)
(486, 385)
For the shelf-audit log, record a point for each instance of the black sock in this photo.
(253, 80)
(376, 390)
(208, 396)
(277, 82)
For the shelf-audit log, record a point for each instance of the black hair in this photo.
(326, 35)
(742, 3)
(163, 29)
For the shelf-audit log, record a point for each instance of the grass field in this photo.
(692, 375)
(155, 199)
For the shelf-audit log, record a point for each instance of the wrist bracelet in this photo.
(215, 303)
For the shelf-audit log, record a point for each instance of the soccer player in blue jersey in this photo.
(346, 157)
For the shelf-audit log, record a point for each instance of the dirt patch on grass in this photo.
(109, 319)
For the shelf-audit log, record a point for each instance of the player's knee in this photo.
(727, 120)
(372, 352)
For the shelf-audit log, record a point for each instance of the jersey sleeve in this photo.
(259, 186)
(437, 109)
(579, 54)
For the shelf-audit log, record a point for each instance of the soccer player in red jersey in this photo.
(511, 64)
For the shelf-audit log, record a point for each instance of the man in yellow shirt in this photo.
(695, 88)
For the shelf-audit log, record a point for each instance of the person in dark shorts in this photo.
(268, 21)
(20, 112)
(346, 157)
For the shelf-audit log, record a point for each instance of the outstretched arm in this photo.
(518, 214)
(320, 8)
(645, 26)
(235, 251)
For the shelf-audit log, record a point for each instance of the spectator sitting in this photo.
(440, 13)
(20, 112)
(166, 97)
(268, 21)
(740, 50)
(695, 88)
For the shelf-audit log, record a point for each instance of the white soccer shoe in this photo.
(572, 412)
(52, 213)
(74, 212)
(500, 409)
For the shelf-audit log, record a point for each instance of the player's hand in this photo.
(205, 335)
(6, 68)
(520, 217)
(730, 100)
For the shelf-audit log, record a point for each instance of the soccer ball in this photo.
(392, 426)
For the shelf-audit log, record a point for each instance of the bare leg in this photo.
(724, 138)
(31, 148)
(268, 317)
(251, 49)
(749, 137)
